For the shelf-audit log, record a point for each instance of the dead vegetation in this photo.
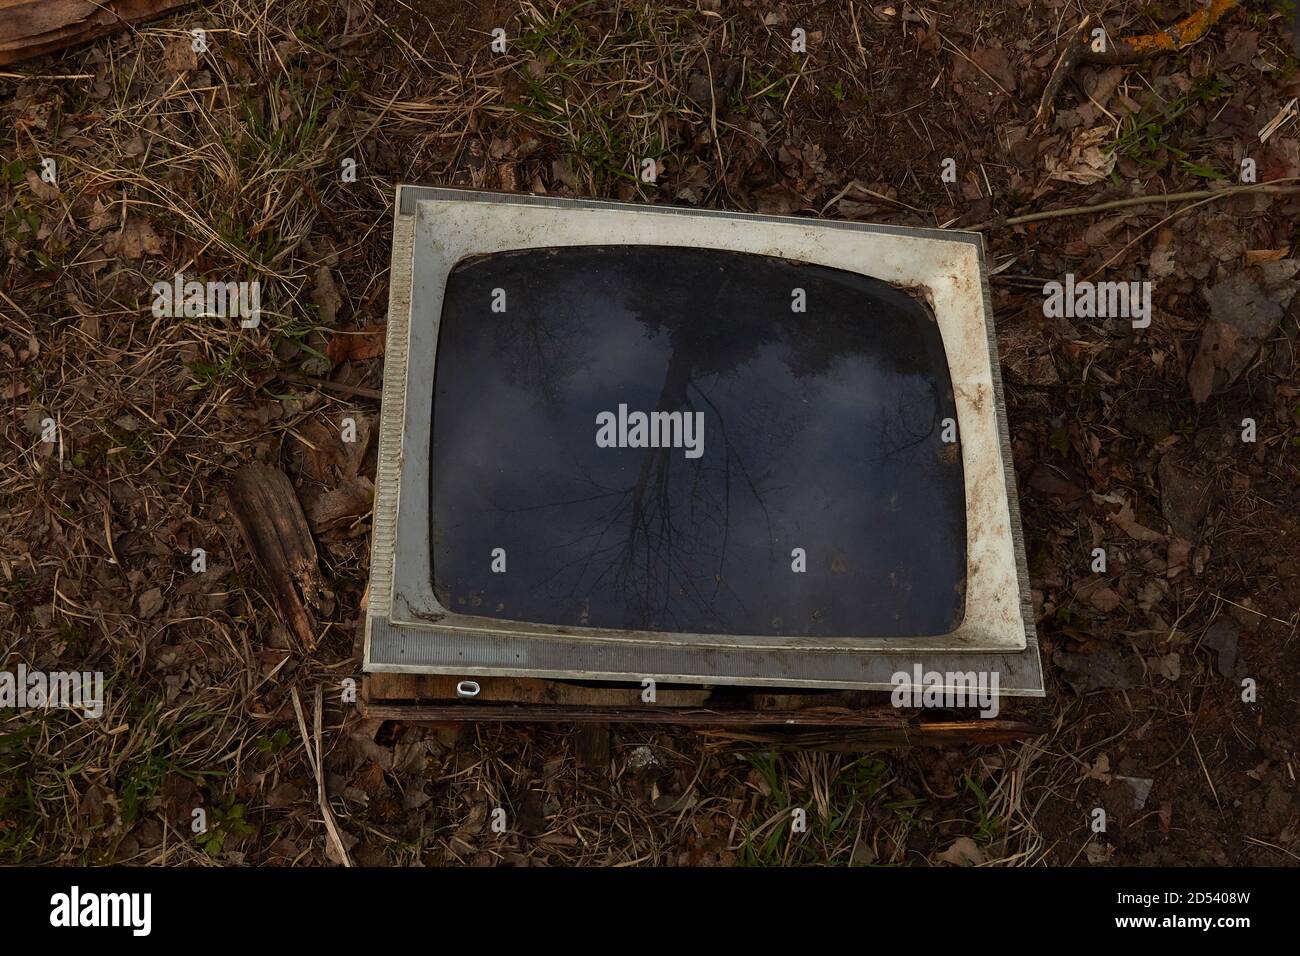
(226, 164)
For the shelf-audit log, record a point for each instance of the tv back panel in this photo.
(621, 442)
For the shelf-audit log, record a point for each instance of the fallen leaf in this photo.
(1127, 523)
(1049, 482)
(1168, 666)
(179, 54)
(993, 60)
(1151, 593)
(339, 510)
(101, 217)
(1162, 254)
(1185, 497)
(1098, 853)
(1222, 636)
(1245, 311)
(40, 188)
(777, 200)
(151, 603)
(1087, 160)
(134, 239)
(1141, 787)
(325, 294)
(367, 343)
(851, 209)
(963, 852)
(1099, 594)
(1176, 558)
(562, 169)
(1100, 770)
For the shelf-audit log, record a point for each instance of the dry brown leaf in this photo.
(779, 199)
(1127, 523)
(338, 511)
(367, 343)
(1098, 853)
(325, 294)
(1098, 770)
(151, 603)
(1168, 666)
(963, 852)
(179, 55)
(1099, 594)
(101, 217)
(40, 188)
(1246, 309)
(133, 240)
(1087, 161)
(1176, 558)
(1162, 254)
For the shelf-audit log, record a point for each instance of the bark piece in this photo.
(275, 530)
(29, 28)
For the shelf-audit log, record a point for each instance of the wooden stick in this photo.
(884, 724)
(1172, 39)
(324, 383)
(1065, 63)
(1272, 186)
(1078, 49)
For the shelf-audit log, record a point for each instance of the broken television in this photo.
(696, 448)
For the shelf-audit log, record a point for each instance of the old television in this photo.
(625, 441)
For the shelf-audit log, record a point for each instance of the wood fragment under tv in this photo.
(850, 721)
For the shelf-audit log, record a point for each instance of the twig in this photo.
(357, 390)
(1272, 186)
(870, 192)
(1182, 210)
(46, 76)
(1070, 54)
(1179, 36)
(857, 36)
(313, 745)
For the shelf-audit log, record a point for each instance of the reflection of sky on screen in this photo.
(844, 463)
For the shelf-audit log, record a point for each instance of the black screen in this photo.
(766, 429)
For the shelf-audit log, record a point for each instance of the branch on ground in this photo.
(1172, 39)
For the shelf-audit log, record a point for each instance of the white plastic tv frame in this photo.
(408, 631)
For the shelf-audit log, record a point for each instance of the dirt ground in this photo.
(226, 163)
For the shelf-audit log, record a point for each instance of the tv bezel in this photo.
(407, 630)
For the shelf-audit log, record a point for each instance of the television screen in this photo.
(696, 441)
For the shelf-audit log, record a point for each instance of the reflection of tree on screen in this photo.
(539, 350)
(717, 312)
